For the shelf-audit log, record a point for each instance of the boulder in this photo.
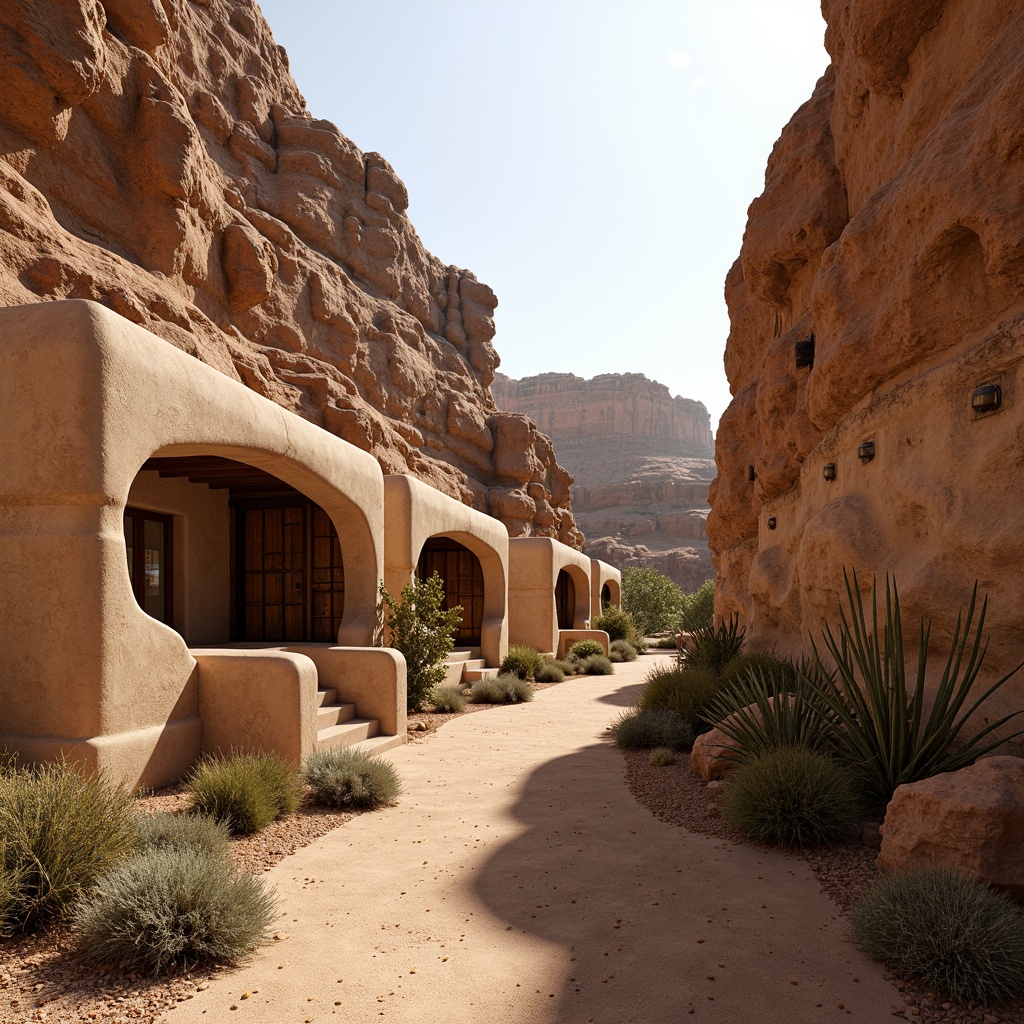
(971, 819)
(710, 755)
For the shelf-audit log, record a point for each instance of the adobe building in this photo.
(605, 586)
(549, 595)
(185, 566)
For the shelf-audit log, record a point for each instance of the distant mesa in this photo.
(642, 461)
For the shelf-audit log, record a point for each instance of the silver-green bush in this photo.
(191, 831)
(662, 757)
(940, 926)
(583, 649)
(596, 665)
(349, 779)
(522, 661)
(639, 729)
(505, 688)
(448, 700)
(622, 650)
(549, 673)
(173, 909)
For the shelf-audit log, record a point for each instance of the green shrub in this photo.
(245, 791)
(522, 661)
(619, 625)
(714, 648)
(448, 700)
(938, 925)
(347, 779)
(502, 689)
(569, 668)
(662, 757)
(884, 730)
(652, 600)
(666, 643)
(699, 608)
(584, 649)
(596, 665)
(779, 673)
(622, 650)
(59, 831)
(190, 831)
(637, 729)
(688, 692)
(173, 909)
(422, 630)
(791, 796)
(549, 673)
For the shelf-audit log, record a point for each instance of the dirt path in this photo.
(519, 881)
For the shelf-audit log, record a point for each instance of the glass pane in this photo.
(154, 600)
(129, 543)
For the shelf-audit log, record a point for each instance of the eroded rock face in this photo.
(891, 228)
(157, 157)
(971, 819)
(641, 463)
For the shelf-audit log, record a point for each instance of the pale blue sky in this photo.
(591, 160)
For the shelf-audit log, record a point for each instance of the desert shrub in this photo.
(59, 831)
(940, 926)
(662, 757)
(569, 668)
(596, 665)
(584, 649)
(502, 689)
(791, 796)
(714, 647)
(698, 609)
(665, 643)
(622, 650)
(883, 728)
(549, 673)
(639, 729)
(346, 778)
(422, 629)
(173, 909)
(8, 761)
(448, 700)
(688, 692)
(190, 831)
(779, 673)
(522, 661)
(619, 625)
(245, 791)
(653, 601)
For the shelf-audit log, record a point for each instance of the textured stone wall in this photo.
(641, 460)
(157, 157)
(892, 228)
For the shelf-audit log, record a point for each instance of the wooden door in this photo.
(275, 574)
(463, 584)
(565, 600)
(328, 590)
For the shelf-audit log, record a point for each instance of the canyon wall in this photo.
(156, 156)
(641, 460)
(890, 239)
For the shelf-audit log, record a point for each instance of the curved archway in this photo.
(606, 597)
(572, 597)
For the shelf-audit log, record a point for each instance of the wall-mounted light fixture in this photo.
(866, 451)
(751, 475)
(986, 398)
(805, 352)
(771, 522)
(829, 472)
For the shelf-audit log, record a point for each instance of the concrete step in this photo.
(334, 714)
(455, 656)
(378, 744)
(347, 733)
(471, 675)
(326, 697)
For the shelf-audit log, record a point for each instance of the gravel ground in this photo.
(677, 795)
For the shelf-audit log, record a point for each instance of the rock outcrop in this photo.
(157, 157)
(878, 289)
(641, 460)
(971, 820)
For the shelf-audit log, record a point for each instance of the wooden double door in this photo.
(463, 584)
(289, 577)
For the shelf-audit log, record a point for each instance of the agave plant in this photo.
(882, 729)
(714, 647)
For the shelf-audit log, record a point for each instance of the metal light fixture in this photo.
(829, 472)
(987, 398)
(805, 352)
(771, 522)
(751, 475)
(866, 451)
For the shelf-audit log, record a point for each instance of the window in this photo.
(147, 536)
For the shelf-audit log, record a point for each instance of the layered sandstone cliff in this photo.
(891, 229)
(641, 460)
(157, 157)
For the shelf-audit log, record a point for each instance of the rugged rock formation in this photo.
(157, 157)
(641, 461)
(892, 229)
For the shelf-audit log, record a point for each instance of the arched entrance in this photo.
(606, 597)
(565, 600)
(463, 584)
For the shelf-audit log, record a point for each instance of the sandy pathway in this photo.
(519, 881)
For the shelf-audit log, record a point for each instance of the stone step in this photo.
(326, 697)
(471, 675)
(456, 656)
(378, 744)
(334, 714)
(347, 733)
